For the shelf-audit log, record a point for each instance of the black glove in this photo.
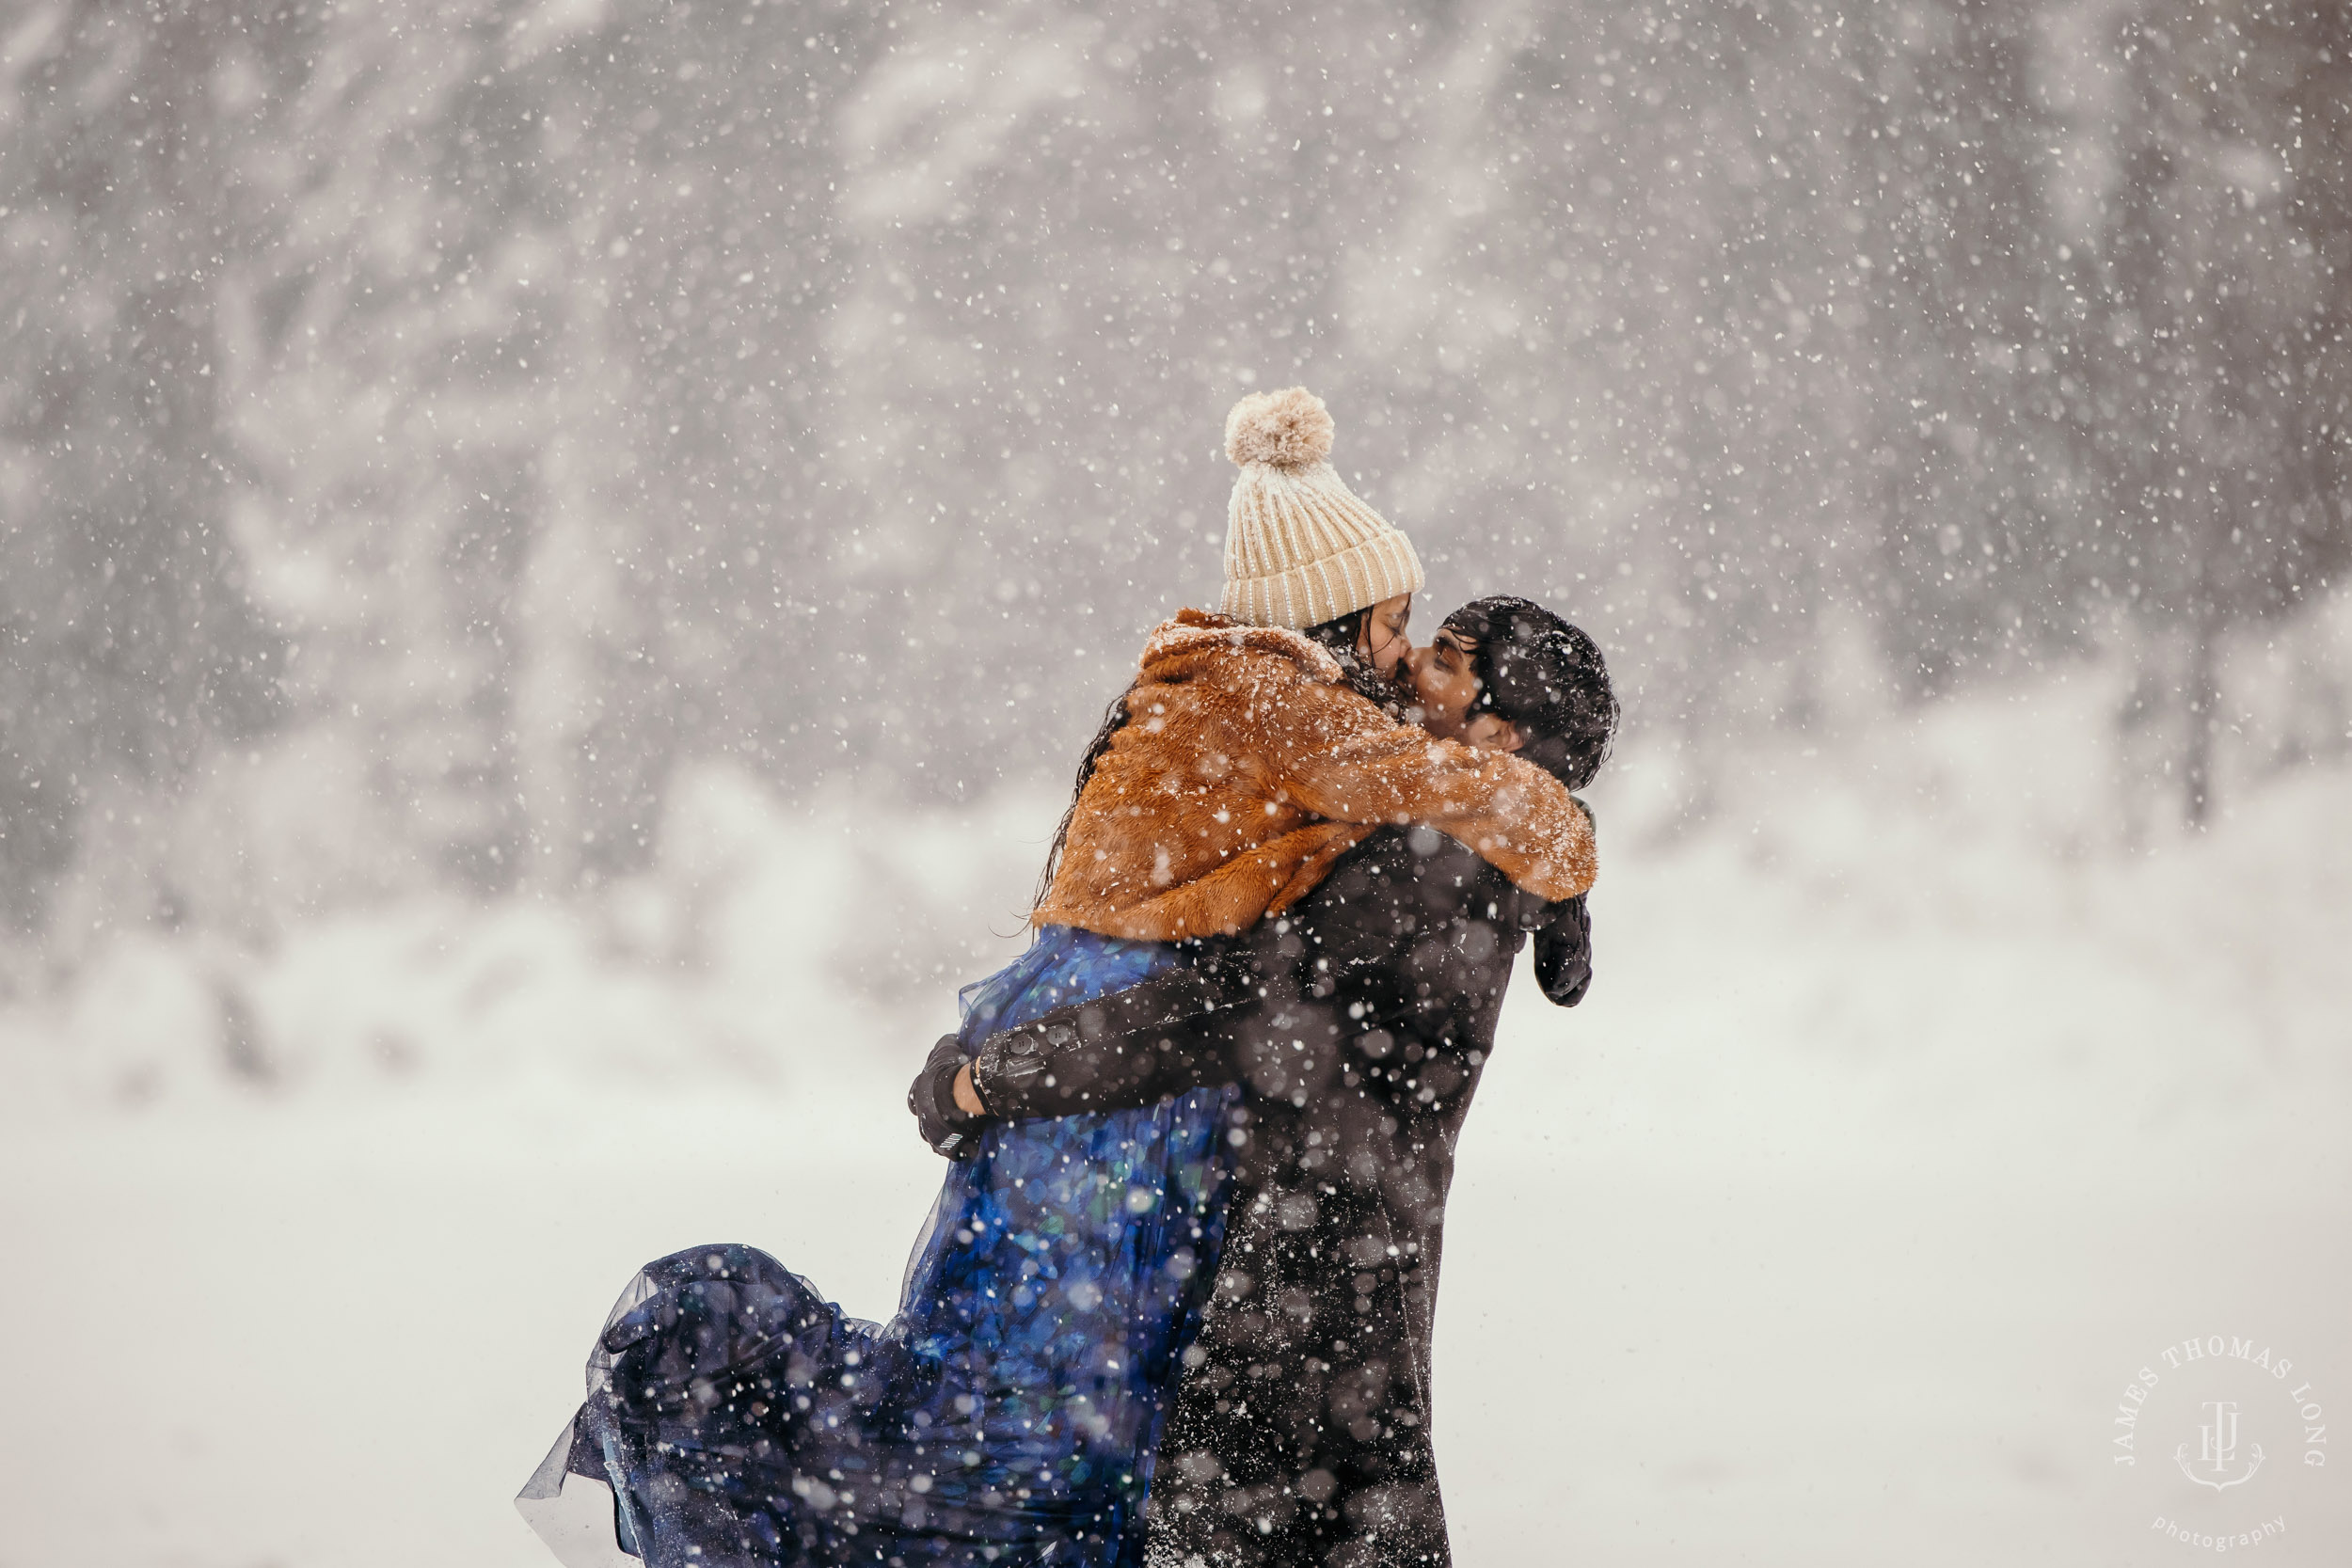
(932, 1099)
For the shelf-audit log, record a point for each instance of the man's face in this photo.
(1444, 686)
(1444, 683)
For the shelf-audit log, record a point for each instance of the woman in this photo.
(1009, 1412)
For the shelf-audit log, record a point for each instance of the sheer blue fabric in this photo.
(1010, 1411)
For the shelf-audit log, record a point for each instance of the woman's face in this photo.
(1383, 644)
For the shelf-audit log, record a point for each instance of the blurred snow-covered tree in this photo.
(2209, 280)
(128, 640)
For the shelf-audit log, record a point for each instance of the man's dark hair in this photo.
(1546, 677)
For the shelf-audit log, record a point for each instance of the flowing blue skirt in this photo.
(1006, 1414)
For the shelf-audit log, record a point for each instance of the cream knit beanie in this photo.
(1300, 549)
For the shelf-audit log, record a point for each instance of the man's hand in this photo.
(943, 1104)
(968, 1097)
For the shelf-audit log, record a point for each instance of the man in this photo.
(1358, 1024)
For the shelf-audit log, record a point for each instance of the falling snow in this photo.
(556, 556)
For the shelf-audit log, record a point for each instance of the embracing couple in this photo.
(1174, 1305)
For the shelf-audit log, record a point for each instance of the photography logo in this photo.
(2221, 1441)
(2217, 1447)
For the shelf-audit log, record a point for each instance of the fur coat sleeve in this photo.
(1246, 767)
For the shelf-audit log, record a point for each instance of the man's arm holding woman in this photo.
(1247, 1012)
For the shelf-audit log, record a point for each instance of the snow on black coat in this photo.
(1358, 1024)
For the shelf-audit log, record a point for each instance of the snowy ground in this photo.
(1911, 1115)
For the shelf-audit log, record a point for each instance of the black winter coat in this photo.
(1358, 1025)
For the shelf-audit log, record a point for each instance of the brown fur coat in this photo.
(1246, 767)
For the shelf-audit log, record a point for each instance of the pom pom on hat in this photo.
(1289, 429)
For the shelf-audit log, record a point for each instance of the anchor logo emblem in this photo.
(2217, 1449)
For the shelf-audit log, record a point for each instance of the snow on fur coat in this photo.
(1246, 767)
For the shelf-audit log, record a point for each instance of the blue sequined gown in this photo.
(1008, 1414)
